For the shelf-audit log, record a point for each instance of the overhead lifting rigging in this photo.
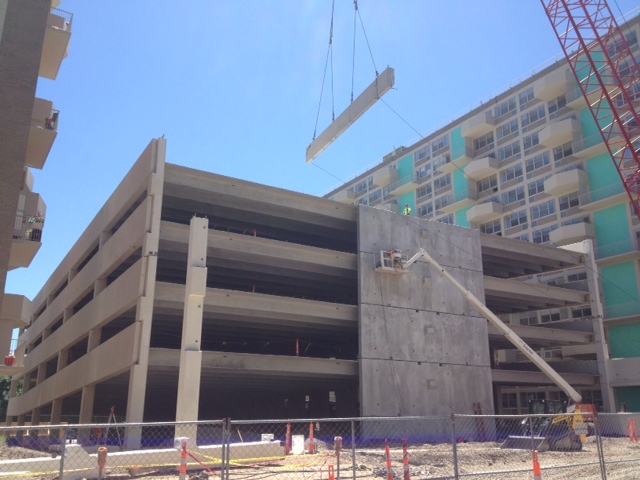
(381, 85)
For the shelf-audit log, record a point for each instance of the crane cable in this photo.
(324, 75)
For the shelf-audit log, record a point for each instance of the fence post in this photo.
(353, 449)
(603, 465)
(62, 450)
(454, 443)
(227, 448)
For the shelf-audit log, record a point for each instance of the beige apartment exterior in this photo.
(34, 39)
(191, 294)
(530, 164)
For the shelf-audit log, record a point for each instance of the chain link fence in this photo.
(461, 446)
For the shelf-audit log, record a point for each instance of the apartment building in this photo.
(34, 38)
(192, 294)
(531, 165)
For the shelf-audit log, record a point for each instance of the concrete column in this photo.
(597, 311)
(191, 354)
(99, 286)
(56, 418)
(144, 307)
(63, 359)
(94, 339)
(42, 373)
(86, 411)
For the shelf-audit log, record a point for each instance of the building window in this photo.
(442, 202)
(362, 201)
(576, 277)
(529, 142)
(424, 153)
(531, 117)
(440, 161)
(494, 227)
(508, 151)
(375, 196)
(362, 186)
(440, 183)
(581, 312)
(484, 141)
(424, 191)
(543, 210)
(424, 172)
(487, 183)
(511, 173)
(536, 187)
(542, 236)
(556, 104)
(569, 201)
(562, 151)
(550, 317)
(537, 162)
(426, 210)
(505, 107)
(513, 196)
(525, 97)
(447, 219)
(515, 219)
(440, 144)
(508, 128)
(523, 238)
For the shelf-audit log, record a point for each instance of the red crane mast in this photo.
(608, 76)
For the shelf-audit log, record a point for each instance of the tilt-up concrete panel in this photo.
(423, 349)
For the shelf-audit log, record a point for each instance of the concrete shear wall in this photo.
(424, 350)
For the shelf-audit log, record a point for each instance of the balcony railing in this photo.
(623, 310)
(48, 123)
(588, 142)
(28, 227)
(613, 249)
(66, 16)
(601, 193)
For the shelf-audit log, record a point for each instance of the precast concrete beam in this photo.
(543, 336)
(539, 378)
(381, 85)
(240, 364)
(523, 293)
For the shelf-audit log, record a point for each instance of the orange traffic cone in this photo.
(537, 473)
(312, 445)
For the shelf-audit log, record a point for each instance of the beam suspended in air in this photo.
(381, 85)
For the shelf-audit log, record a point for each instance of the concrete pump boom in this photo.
(519, 343)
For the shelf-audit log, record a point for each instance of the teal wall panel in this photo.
(630, 396)
(458, 143)
(405, 167)
(602, 172)
(589, 126)
(625, 340)
(460, 184)
(620, 288)
(461, 218)
(612, 228)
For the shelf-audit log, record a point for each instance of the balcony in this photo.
(460, 159)
(16, 311)
(553, 85)
(568, 234)
(459, 200)
(558, 133)
(565, 182)
(631, 309)
(482, 168)
(384, 176)
(478, 125)
(27, 231)
(56, 43)
(615, 249)
(403, 185)
(391, 206)
(576, 99)
(485, 212)
(603, 197)
(344, 196)
(42, 133)
(589, 147)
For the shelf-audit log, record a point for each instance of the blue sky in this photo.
(234, 86)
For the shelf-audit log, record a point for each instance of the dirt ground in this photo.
(484, 460)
